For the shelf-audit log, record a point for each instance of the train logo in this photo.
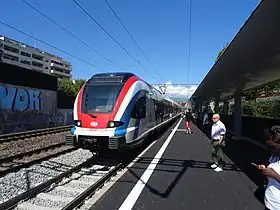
(93, 124)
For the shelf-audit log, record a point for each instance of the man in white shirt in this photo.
(272, 171)
(217, 142)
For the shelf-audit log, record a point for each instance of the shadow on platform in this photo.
(243, 153)
(180, 168)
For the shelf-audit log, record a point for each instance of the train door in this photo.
(138, 115)
(150, 112)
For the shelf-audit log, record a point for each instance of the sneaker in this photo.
(214, 166)
(218, 169)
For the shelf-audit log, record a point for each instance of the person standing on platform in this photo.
(218, 133)
(194, 116)
(272, 171)
(205, 122)
(188, 117)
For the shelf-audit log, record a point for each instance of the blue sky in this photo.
(160, 27)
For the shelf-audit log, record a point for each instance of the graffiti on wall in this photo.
(25, 108)
(20, 99)
(16, 121)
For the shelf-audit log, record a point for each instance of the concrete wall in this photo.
(24, 108)
(65, 116)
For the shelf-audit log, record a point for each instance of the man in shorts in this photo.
(188, 117)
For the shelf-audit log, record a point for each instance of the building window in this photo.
(25, 62)
(46, 67)
(37, 64)
(65, 71)
(11, 49)
(55, 62)
(10, 57)
(38, 57)
(25, 54)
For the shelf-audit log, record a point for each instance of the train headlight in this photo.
(113, 124)
(78, 123)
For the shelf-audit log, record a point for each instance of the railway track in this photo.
(67, 190)
(33, 133)
(64, 185)
(21, 160)
(25, 148)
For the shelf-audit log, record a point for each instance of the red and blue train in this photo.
(119, 110)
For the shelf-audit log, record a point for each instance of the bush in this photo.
(70, 88)
(248, 109)
(67, 91)
(267, 109)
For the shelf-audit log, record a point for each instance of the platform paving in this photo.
(183, 178)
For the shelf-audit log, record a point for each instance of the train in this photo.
(119, 110)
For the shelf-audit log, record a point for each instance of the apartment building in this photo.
(26, 56)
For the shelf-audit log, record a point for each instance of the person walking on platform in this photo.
(188, 117)
(218, 133)
(272, 171)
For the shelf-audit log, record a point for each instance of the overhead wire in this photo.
(132, 38)
(189, 48)
(52, 46)
(71, 34)
(123, 48)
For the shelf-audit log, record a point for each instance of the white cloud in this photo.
(183, 92)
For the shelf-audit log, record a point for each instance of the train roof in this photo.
(122, 77)
(115, 77)
(113, 74)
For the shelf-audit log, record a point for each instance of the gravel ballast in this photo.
(16, 183)
(62, 193)
(25, 145)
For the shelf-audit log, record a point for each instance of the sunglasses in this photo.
(269, 132)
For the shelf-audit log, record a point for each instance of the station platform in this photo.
(178, 176)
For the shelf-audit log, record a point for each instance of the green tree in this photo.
(69, 87)
(77, 85)
(265, 109)
(249, 108)
(268, 89)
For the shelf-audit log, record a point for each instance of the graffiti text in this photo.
(12, 98)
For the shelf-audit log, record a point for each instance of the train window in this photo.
(100, 98)
(139, 110)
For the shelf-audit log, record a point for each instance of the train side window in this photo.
(139, 110)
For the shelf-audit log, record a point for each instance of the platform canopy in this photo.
(250, 60)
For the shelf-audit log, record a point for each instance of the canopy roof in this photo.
(251, 59)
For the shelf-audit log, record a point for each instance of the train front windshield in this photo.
(100, 98)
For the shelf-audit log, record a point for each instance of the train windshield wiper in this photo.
(90, 113)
